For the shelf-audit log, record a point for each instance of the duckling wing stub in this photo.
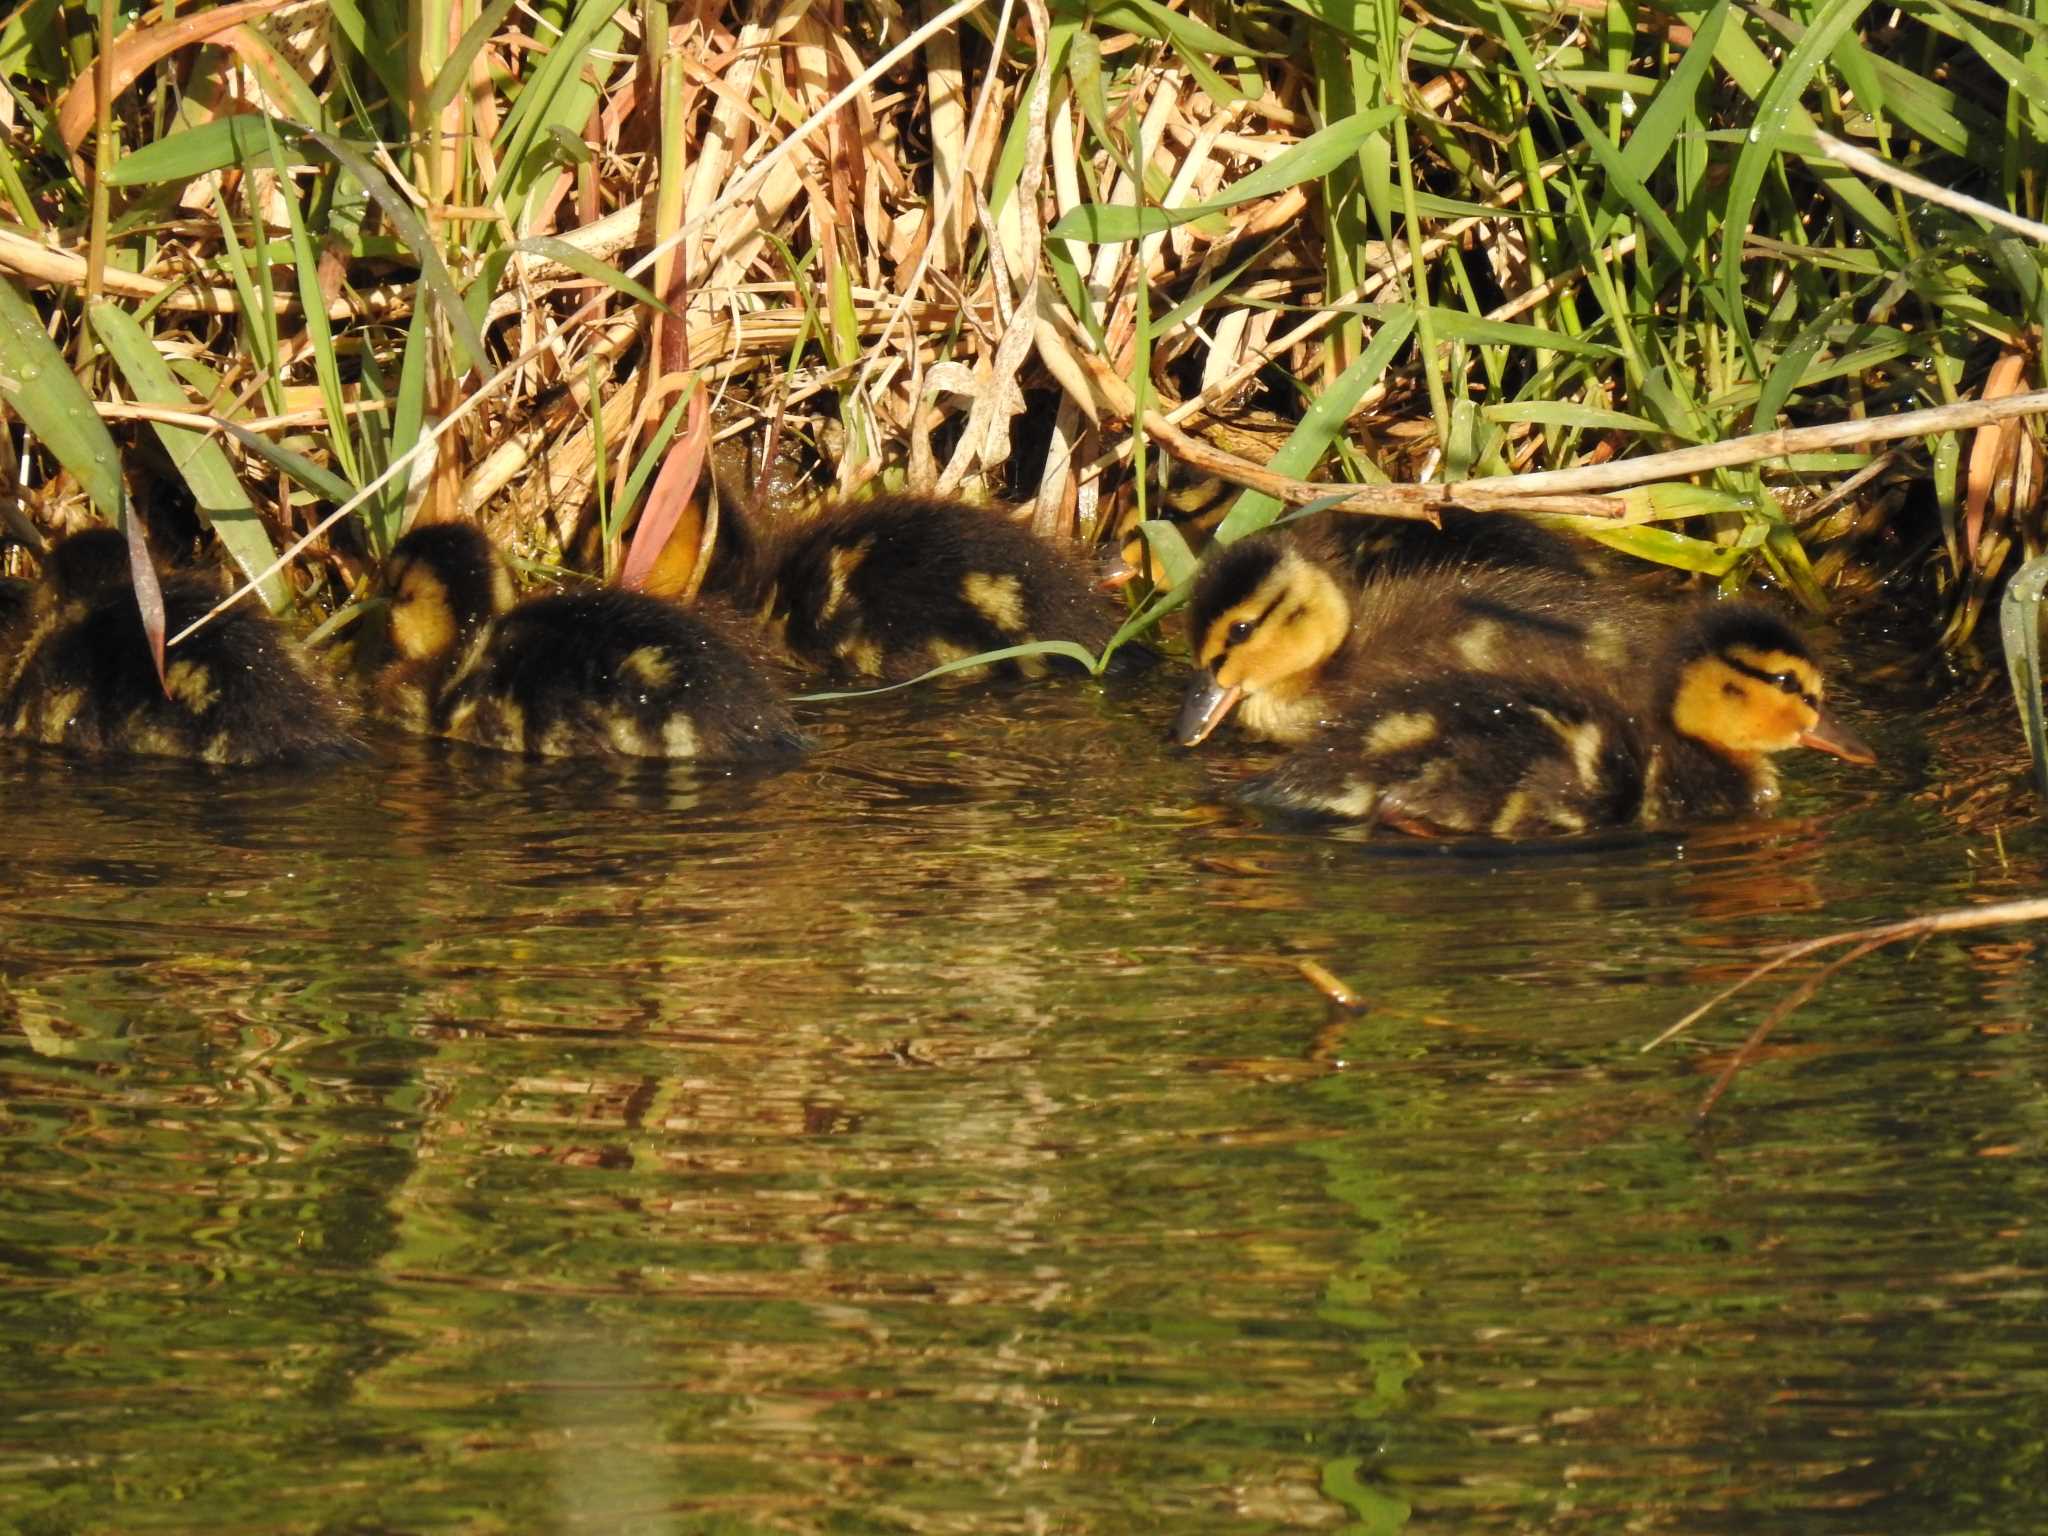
(1469, 754)
(593, 674)
(890, 588)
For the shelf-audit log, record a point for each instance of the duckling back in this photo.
(1278, 634)
(890, 588)
(570, 674)
(1465, 752)
(1549, 751)
(77, 671)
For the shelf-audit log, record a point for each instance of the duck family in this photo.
(1482, 679)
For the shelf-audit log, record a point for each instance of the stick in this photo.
(1953, 920)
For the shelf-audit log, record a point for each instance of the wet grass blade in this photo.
(41, 389)
(1072, 650)
(2019, 624)
(217, 492)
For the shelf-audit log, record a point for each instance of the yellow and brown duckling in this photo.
(1281, 640)
(587, 673)
(1358, 548)
(1542, 753)
(1195, 507)
(887, 589)
(76, 670)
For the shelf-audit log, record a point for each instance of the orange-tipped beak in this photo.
(1117, 572)
(1207, 702)
(1827, 734)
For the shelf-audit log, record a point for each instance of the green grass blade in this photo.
(1313, 158)
(1319, 426)
(1067, 648)
(217, 493)
(40, 387)
(2019, 625)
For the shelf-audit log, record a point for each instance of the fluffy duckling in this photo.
(589, 673)
(76, 670)
(1361, 548)
(888, 588)
(1278, 638)
(1544, 754)
(1196, 508)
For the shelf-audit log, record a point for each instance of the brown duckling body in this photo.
(569, 674)
(1547, 750)
(1360, 548)
(1281, 639)
(76, 670)
(888, 588)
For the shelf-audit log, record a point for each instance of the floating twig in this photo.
(1863, 941)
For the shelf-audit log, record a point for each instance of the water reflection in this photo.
(938, 1136)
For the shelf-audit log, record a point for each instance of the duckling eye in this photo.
(1786, 682)
(1240, 631)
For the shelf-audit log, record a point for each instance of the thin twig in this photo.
(1866, 164)
(1774, 1018)
(1778, 444)
(1953, 920)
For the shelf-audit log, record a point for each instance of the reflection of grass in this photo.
(1356, 246)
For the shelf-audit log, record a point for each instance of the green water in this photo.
(939, 1137)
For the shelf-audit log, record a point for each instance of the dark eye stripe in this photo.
(1264, 614)
(1785, 682)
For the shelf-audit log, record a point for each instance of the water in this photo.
(939, 1136)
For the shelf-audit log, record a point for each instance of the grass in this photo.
(365, 258)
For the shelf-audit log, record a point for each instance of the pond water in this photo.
(940, 1136)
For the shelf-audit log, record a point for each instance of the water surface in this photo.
(939, 1136)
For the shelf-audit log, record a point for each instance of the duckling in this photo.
(568, 674)
(1278, 637)
(888, 588)
(1545, 753)
(1358, 547)
(1196, 508)
(76, 670)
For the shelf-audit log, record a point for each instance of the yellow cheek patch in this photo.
(999, 599)
(422, 621)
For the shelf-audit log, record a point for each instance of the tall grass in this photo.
(1342, 239)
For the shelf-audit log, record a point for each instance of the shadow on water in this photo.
(937, 1135)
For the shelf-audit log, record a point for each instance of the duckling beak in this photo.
(1207, 702)
(1117, 571)
(1827, 734)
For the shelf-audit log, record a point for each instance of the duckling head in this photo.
(1745, 684)
(82, 565)
(445, 582)
(1194, 509)
(1264, 620)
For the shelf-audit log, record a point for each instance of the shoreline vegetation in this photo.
(1755, 294)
